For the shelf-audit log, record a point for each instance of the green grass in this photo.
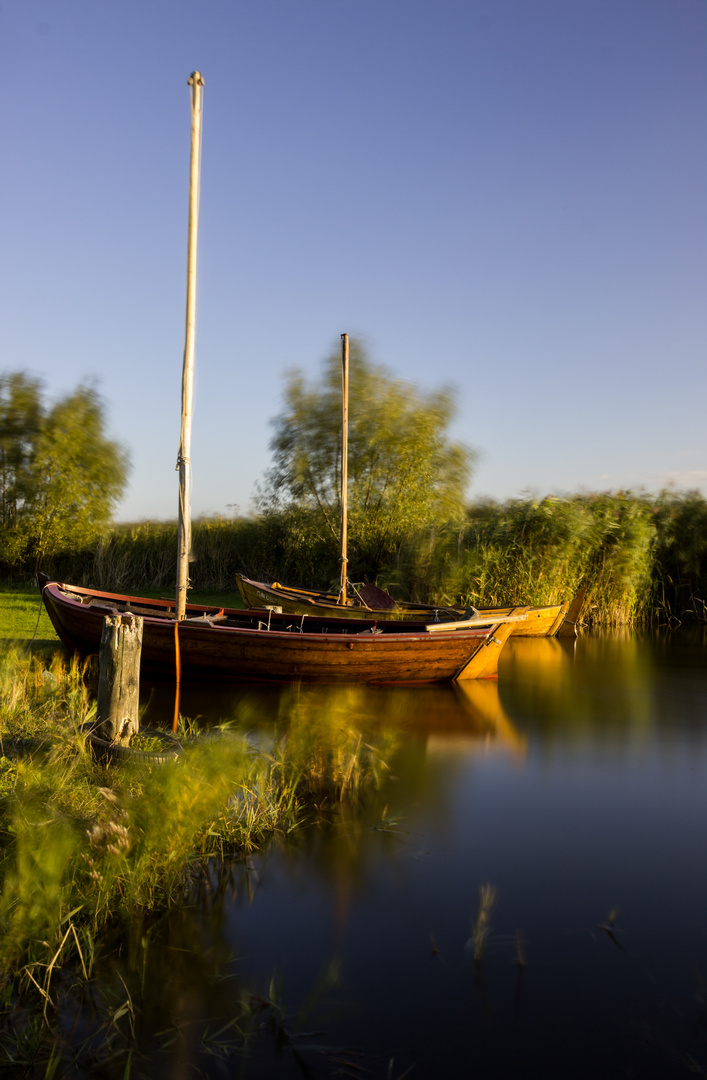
(20, 607)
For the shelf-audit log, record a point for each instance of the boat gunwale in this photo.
(59, 591)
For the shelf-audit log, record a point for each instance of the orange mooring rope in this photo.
(178, 668)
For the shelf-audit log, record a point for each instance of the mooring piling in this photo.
(119, 678)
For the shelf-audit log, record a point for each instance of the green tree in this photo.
(404, 471)
(20, 422)
(60, 476)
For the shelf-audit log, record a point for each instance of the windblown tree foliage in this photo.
(60, 476)
(404, 472)
(20, 424)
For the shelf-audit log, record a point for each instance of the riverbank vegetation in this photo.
(642, 558)
(88, 852)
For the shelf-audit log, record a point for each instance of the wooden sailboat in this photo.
(208, 642)
(214, 642)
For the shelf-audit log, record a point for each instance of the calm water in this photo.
(576, 787)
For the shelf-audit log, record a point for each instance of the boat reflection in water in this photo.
(458, 718)
(467, 720)
(547, 659)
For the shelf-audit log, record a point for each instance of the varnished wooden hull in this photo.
(540, 622)
(259, 646)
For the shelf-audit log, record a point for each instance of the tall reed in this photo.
(324, 749)
(680, 573)
(533, 552)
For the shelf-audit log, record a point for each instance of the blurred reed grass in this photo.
(642, 558)
(85, 847)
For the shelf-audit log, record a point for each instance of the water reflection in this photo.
(490, 728)
(576, 785)
(617, 686)
(464, 717)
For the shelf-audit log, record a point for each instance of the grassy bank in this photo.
(88, 851)
(23, 617)
(642, 558)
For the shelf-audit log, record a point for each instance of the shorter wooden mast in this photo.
(196, 83)
(344, 463)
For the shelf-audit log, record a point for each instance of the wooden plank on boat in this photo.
(519, 615)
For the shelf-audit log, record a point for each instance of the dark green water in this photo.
(576, 787)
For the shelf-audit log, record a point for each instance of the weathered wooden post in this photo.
(119, 678)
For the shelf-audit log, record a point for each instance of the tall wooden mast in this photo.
(344, 463)
(196, 83)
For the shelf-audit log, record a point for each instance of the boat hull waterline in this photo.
(264, 646)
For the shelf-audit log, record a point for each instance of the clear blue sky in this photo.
(508, 196)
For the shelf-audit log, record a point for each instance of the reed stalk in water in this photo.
(481, 928)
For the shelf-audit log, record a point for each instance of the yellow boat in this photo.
(368, 601)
